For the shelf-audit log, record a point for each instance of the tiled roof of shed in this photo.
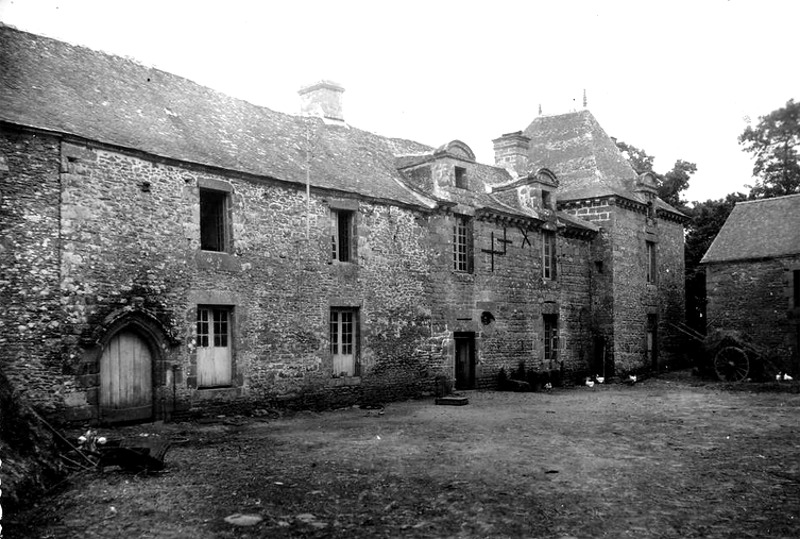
(585, 159)
(758, 229)
(55, 86)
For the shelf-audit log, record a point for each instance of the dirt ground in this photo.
(667, 457)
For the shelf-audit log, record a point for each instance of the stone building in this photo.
(166, 249)
(753, 276)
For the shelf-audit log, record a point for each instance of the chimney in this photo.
(511, 152)
(322, 99)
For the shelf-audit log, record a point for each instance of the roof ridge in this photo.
(767, 199)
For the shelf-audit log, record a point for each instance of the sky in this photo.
(679, 79)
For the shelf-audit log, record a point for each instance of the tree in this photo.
(707, 219)
(671, 184)
(639, 160)
(774, 143)
(675, 182)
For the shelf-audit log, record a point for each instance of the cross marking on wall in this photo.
(505, 242)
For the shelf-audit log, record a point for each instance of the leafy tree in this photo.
(671, 184)
(639, 159)
(706, 220)
(675, 182)
(774, 143)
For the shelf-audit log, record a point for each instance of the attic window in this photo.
(461, 177)
(547, 200)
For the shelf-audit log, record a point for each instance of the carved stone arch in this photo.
(547, 176)
(458, 149)
(138, 320)
(647, 183)
(129, 351)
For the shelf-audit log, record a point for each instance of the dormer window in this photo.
(461, 177)
(547, 200)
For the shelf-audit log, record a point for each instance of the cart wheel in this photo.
(731, 364)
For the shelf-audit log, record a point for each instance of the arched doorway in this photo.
(126, 378)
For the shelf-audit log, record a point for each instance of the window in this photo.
(796, 282)
(342, 235)
(344, 341)
(547, 200)
(462, 244)
(652, 339)
(550, 338)
(651, 262)
(214, 365)
(549, 255)
(214, 221)
(461, 177)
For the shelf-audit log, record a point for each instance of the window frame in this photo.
(463, 250)
(651, 263)
(336, 332)
(549, 255)
(215, 222)
(343, 230)
(209, 333)
(460, 177)
(550, 338)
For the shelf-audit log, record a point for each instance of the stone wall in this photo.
(508, 285)
(129, 256)
(31, 319)
(755, 297)
(621, 296)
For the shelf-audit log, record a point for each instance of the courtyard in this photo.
(672, 456)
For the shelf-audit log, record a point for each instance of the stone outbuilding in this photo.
(166, 249)
(753, 276)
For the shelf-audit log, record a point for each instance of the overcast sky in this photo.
(677, 79)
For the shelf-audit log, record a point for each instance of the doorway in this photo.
(465, 360)
(126, 378)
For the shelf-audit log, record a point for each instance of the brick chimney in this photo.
(322, 99)
(511, 152)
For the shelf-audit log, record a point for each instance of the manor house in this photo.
(167, 250)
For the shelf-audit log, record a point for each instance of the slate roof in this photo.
(585, 159)
(757, 229)
(55, 86)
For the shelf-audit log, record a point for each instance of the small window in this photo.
(214, 221)
(461, 177)
(547, 200)
(652, 339)
(651, 262)
(549, 255)
(796, 280)
(342, 235)
(462, 245)
(550, 338)
(344, 341)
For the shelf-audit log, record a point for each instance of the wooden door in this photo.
(465, 360)
(214, 366)
(126, 379)
(343, 341)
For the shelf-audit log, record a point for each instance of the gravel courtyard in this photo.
(667, 457)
